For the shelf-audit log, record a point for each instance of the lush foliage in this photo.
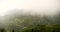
(33, 23)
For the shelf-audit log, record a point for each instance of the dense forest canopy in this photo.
(19, 21)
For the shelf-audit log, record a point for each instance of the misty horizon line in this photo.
(27, 11)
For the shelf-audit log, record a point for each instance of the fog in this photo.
(34, 6)
(12, 7)
(41, 7)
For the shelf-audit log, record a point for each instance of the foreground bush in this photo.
(38, 28)
(43, 28)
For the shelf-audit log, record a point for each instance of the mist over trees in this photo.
(20, 21)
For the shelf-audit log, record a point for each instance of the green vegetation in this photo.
(33, 23)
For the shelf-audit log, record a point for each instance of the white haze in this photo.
(33, 6)
(39, 6)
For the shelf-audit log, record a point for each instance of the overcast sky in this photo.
(36, 5)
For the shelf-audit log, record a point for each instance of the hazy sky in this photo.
(37, 5)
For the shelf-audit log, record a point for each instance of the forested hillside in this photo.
(31, 23)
